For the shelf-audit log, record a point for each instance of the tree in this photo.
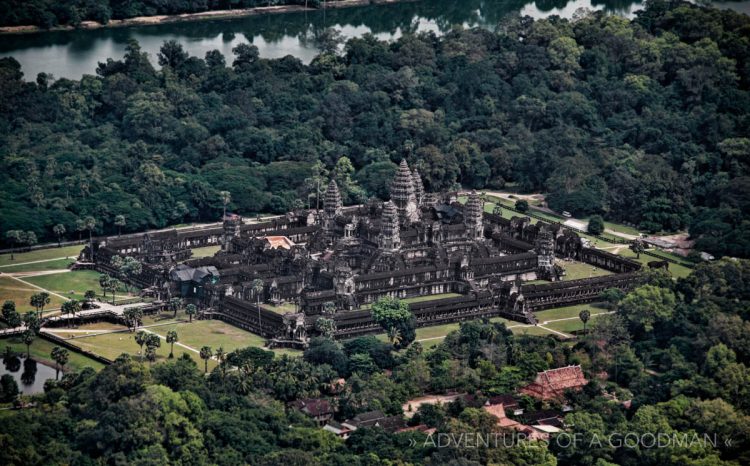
(10, 315)
(39, 300)
(60, 356)
(71, 307)
(128, 268)
(119, 223)
(104, 280)
(522, 205)
(89, 296)
(647, 306)
(172, 338)
(59, 231)
(113, 285)
(395, 317)
(226, 198)
(14, 237)
(153, 342)
(28, 338)
(133, 317)
(32, 321)
(637, 247)
(8, 388)
(140, 339)
(596, 225)
(174, 304)
(89, 224)
(326, 327)
(205, 354)
(221, 357)
(584, 315)
(191, 310)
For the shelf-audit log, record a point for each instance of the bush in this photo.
(522, 205)
(596, 225)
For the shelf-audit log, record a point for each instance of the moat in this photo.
(75, 53)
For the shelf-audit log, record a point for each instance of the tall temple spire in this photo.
(403, 196)
(474, 216)
(332, 201)
(390, 237)
(418, 186)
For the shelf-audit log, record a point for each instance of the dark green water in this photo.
(73, 54)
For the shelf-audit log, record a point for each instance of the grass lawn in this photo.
(567, 311)
(112, 345)
(677, 271)
(205, 251)
(41, 349)
(73, 284)
(532, 330)
(20, 293)
(41, 254)
(285, 308)
(578, 270)
(56, 264)
(419, 299)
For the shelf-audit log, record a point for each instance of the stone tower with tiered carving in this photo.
(403, 195)
(332, 200)
(418, 187)
(390, 237)
(474, 217)
(332, 205)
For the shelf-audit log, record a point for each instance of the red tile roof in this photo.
(553, 383)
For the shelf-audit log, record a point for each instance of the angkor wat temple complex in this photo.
(276, 278)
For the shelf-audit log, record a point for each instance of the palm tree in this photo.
(112, 285)
(191, 310)
(205, 354)
(104, 283)
(28, 338)
(153, 342)
(226, 198)
(140, 339)
(394, 336)
(220, 357)
(119, 223)
(14, 238)
(174, 304)
(90, 223)
(257, 287)
(59, 231)
(60, 356)
(584, 316)
(172, 338)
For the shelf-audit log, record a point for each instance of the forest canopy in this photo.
(643, 121)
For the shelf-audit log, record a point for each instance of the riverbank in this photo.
(201, 16)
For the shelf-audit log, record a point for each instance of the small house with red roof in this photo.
(551, 384)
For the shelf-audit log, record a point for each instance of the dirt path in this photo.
(37, 262)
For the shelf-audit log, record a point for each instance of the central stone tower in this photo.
(474, 217)
(390, 237)
(404, 195)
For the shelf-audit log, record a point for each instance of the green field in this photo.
(567, 311)
(20, 293)
(55, 264)
(73, 284)
(578, 270)
(677, 271)
(41, 349)
(419, 299)
(284, 308)
(41, 254)
(205, 251)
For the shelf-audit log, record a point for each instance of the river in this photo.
(71, 54)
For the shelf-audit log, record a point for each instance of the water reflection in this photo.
(71, 54)
(31, 379)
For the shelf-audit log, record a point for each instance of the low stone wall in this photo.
(65, 344)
